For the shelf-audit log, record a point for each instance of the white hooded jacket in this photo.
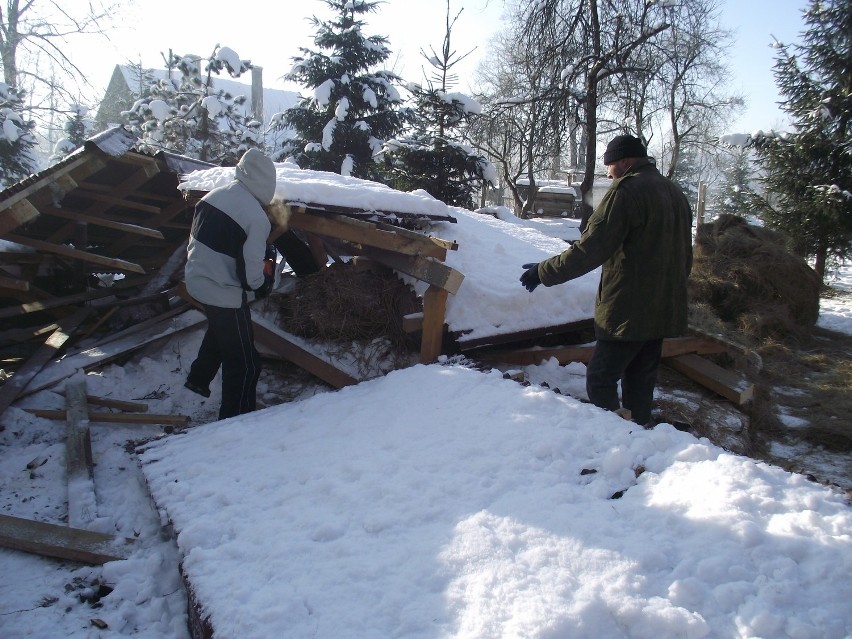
(229, 234)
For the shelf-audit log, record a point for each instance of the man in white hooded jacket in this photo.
(224, 272)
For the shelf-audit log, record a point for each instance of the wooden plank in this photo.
(82, 502)
(582, 353)
(424, 269)
(76, 254)
(16, 335)
(169, 211)
(490, 341)
(434, 311)
(358, 232)
(13, 387)
(287, 346)
(19, 213)
(122, 202)
(61, 542)
(720, 380)
(136, 329)
(124, 227)
(115, 418)
(120, 404)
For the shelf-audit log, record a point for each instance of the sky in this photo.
(151, 27)
(435, 501)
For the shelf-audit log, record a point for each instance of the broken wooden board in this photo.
(115, 418)
(94, 357)
(76, 254)
(34, 365)
(294, 350)
(720, 380)
(61, 542)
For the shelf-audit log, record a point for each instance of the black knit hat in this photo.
(624, 146)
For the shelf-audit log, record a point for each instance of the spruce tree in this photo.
(184, 113)
(809, 171)
(351, 110)
(76, 131)
(735, 195)
(431, 155)
(17, 142)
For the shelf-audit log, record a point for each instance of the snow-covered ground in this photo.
(436, 501)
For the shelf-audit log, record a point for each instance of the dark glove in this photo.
(263, 290)
(530, 278)
(268, 273)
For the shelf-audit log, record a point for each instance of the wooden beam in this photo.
(583, 353)
(287, 346)
(70, 214)
(720, 380)
(61, 542)
(120, 404)
(122, 202)
(129, 185)
(490, 341)
(347, 229)
(17, 335)
(115, 418)
(14, 386)
(151, 166)
(424, 269)
(434, 311)
(76, 254)
(177, 206)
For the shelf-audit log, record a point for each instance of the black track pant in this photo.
(635, 364)
(229, 343)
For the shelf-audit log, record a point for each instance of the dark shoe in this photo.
(195, 388)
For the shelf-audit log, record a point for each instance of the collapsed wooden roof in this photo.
(106, 229)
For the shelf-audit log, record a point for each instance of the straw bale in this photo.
(750, 280)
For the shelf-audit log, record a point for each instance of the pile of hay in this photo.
(343, 303)
(751, 281)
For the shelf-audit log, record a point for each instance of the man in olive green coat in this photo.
(641, 233)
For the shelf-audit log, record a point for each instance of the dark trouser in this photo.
(229, 343)
(635, 364)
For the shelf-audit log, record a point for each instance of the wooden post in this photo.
(82, 505)
(434, 311)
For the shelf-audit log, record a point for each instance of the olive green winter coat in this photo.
(641, 233)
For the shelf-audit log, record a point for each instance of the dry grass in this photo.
(751, 282)
(345, 304)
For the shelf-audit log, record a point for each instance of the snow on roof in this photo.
(490, 251)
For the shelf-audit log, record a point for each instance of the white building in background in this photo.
(126, 86)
